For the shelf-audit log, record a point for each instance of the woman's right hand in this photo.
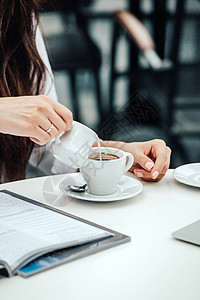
(32, 116)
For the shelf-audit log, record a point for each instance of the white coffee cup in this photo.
(102, 177)
(72, 147)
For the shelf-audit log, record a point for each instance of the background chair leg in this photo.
(75, 104)
(98, 94)
(116, 33)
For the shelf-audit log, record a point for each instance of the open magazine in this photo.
(35, 237)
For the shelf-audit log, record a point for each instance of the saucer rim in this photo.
(191, 183)
(104, 197)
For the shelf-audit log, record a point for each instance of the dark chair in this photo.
(73, 50)
(165, 68)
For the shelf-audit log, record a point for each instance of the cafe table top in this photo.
(152, 266)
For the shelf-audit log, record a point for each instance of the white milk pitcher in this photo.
(72, 147)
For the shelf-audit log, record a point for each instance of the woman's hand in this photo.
(33, 116)
(151, 159)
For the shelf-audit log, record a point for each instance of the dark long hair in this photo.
(22, 73)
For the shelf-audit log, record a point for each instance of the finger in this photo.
(166, 166)
(39, 136)
(144, 161)
(161, 162)
(45, 124)
(53, 131)
(57, 121)
(65, 114)
(34, 140)
(145, 175)
(161, 154)
(168, 157)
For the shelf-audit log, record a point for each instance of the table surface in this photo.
(152, 266)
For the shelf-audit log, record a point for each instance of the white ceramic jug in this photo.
(72, 147)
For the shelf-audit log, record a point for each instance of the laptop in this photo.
(189, 233)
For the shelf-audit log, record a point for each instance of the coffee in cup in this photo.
(105, 156)
(104, 169)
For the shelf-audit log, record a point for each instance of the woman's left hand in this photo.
(151, 159)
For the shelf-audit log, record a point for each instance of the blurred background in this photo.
(124, 82)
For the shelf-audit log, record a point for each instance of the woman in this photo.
(29, 114)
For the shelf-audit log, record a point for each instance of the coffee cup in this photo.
(103, 174)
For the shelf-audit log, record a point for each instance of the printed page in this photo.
(25, 228)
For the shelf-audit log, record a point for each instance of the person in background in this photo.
(30, 114)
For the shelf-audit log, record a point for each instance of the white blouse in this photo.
(42, 156)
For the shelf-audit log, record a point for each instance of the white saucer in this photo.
(128, 187)
(188, 174)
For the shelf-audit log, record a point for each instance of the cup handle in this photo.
(57, 139)
(129, 163)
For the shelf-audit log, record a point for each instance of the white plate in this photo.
(188, 174)
(128, 187)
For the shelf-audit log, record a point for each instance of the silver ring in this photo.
(49, 130)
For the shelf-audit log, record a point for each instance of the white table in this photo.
(153, 266)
